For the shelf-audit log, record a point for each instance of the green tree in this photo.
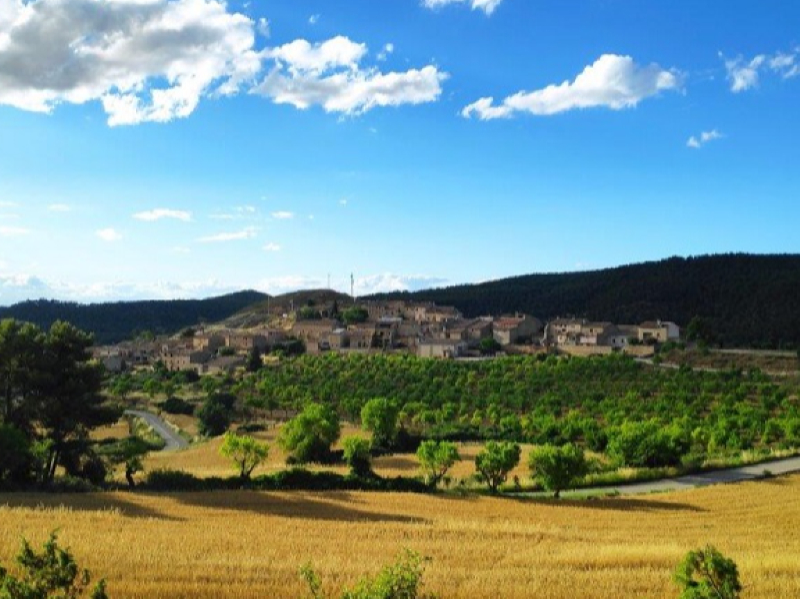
(496, 461)
(51, 574)
(706, 573)
(436, 458)
(70, 400)
(309, 436)
(489, 346)
(254, 362)
(354, 314)
(558, 467)
(245, 452)
(21, 350)
(380, 416)
(213, 417)
(15, 454)
(357, 455)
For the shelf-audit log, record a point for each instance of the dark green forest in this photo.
(116, 321)
(746, 300)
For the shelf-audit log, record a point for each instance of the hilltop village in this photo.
(423, 329)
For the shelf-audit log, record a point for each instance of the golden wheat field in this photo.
(251, 544)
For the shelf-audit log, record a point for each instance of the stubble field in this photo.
(251, 544)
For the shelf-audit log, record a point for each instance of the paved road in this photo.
(776, 467)
(172, 440)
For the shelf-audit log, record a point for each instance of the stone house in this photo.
(437, 348)
(513, 330)
(659, 331)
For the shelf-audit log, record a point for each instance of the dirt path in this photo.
(172, 440)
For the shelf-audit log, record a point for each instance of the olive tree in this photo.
(435, 459)
(245, 452)
(496, 461)
(558, 467)
(309, 436)
(380, 416)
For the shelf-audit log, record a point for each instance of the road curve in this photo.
(172, 440)
(781, 466)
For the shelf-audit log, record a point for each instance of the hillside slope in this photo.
(746, 300)
(116, 321)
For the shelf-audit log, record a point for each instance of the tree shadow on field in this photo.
(323, 506)
(84, 502)
(620, 503)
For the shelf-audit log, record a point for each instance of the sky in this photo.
(190, 148)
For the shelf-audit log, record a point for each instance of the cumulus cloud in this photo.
(703, 138)
(163, 213)
(487, 6)
(387, 50)
(314, 19)
(612, 81)
(282, 215)
(330, 74)
(231, 236)
(745, 74)
(109, 234)
(6, 231)
(144, 60)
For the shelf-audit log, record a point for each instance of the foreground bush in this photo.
(403, 579)
(51, 574)
(706, 573)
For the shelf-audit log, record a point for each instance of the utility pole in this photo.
(352, 288)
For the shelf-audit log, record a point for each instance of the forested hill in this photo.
(746, 300)
(116, 321)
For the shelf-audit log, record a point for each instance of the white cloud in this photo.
(272, 247)
(314, 19)
(612, 81)
(245, 234)
(370, 284)
(6, 231)
(59, 208)
(329, 74)
(343, 202)
(487, 6)
(109, 234)
(387, 50)
(263, 27)
(144, 60)
(703, 139)
(745, 74)
(163, 213)
(282, 215)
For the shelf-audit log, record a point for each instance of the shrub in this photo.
(403, 579)
(51, 574)
(357, 456)
(706, 573)
(176, 406)
(169, 480)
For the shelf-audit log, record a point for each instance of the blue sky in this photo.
(186, 148)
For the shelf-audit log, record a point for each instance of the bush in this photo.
(646, 444)
(176, 406)
(706, 573)
(51, 574)
(402, 579)
(169, 480)
(357, 456)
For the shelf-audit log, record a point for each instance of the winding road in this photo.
(172, 440)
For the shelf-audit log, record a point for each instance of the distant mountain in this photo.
(746, 300)
(116, 321)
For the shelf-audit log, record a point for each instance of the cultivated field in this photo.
(248, 544)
